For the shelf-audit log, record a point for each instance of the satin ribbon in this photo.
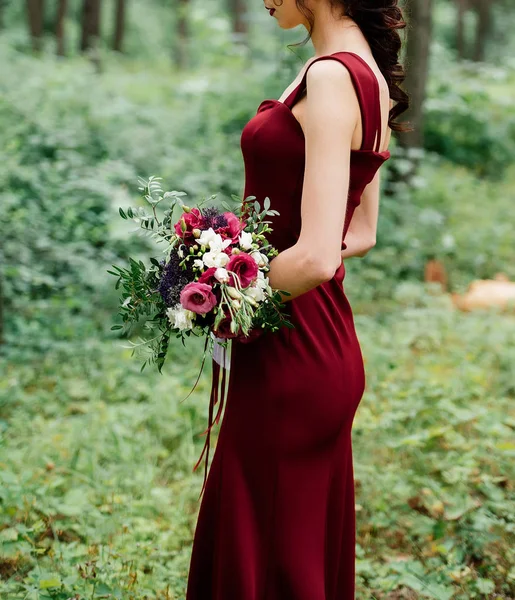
(220, 362)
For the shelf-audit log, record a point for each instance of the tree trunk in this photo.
(59, 26)
(417, 69)
(90, 24)
(182, 43)
(119, 30)
(2, 6)
(238, 11)
(483, 29)
(1, 311)
(35, 10)
(461, 8)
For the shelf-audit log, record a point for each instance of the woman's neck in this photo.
(333, 34)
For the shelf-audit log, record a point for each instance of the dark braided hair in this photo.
(378, 21)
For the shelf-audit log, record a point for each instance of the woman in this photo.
(277, 519)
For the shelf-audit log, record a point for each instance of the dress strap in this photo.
(367, 90)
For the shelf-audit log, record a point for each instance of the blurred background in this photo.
(97, 494)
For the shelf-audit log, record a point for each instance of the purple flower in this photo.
(213, 218)
(173, 279)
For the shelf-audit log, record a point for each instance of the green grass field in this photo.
(98, 498)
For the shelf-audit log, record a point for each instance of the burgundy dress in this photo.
(277, 516)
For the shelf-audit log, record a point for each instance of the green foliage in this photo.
(74, 147)
(470, 116)
(449, 214)
(434, 453)
(97, 494)
(100, 487)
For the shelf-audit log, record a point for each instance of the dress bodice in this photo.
(273, 148)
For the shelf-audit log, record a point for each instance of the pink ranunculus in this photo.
(193, 220)
(224, 328)
(244, 266)
(233, 228)
(198, 297)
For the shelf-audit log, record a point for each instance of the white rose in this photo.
(261, 259)
(222, 275)
(180, 317)
(245, 240)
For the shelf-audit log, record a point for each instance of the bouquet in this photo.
(211, 282)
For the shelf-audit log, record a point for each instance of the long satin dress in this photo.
(277, 516)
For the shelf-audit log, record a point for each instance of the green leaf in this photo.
(9, 535)
(103, 590)
(485, 586)
(54, 581)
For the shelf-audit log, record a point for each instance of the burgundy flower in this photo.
(193, 220)
(233, 228)
(208, 276)
(244, 266)
(198, 297)
(224, 328)
(254, 333)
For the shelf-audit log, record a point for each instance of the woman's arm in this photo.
(328, 130)
(361, 234)
(362, 231)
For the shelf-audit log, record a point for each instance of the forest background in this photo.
(97, 494)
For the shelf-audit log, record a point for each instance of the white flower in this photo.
(215, 258)
(222, 275)
(233, 292)
(214, 240)
(262, 282)
(180, 252)
(180, 317)
(261, 259)
(198, 263)
(256, 293)
(245, 240)
(206, 236)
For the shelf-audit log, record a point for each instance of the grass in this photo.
(98, 498)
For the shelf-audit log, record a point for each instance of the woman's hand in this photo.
(361, 234)
(357, 244)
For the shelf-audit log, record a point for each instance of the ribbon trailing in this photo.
(221, 363)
